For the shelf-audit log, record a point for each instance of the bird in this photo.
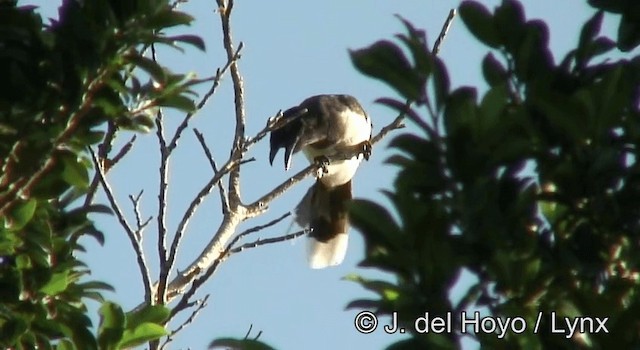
(333, 131)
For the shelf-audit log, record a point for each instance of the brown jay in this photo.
(334, 130)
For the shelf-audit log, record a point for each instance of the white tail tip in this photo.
(325, 254)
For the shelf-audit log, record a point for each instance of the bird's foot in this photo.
(323, 164)
(365, 149)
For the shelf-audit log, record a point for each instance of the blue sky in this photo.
(293, 49)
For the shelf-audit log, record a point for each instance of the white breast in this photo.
(354, 129)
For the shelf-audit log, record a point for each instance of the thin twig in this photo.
(103, 153)
(265, 241)
(124, 150)
(135, 243)
(394, 125)
(140, 225)
(224, 200)
(261, 227)
(444, 31)
(200, 305)
(185, 302)
(262, 203)
(195, 203)
(216, 81)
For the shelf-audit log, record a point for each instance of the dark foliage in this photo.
(533, 187)
(61, 85)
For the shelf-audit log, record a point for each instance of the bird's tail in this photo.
(324, 211)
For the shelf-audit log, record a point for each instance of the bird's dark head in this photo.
(287, 136)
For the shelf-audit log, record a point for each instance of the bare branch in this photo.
(261, 227)
(135, 201)
(265, 241)
(394, 125)
(216, 81)
(135, 243)
(162, 209)
(261, 205)
(103, 152)
(195, 203)
(238, 90)
(224, 200)
(123, 151)
(199, 304)
(444, 31)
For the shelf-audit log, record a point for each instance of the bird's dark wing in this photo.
(288, 136)
(308, 125)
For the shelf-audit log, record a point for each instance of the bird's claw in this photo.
(323, 163)
(365, 149)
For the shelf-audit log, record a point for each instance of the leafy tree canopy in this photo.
(64, 84)
(532, 187)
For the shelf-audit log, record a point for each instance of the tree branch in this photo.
(135, 243)
(216, 82)
(265, 241)
(140, 225)
(238, 91)
(224, 200)
(162, 210)
(199, 304)
(444, 31)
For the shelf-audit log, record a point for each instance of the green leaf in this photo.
(143, 122)
(57, 284)
(141, 334)
(420, 149)
(388, 291)
(21, 214)
(8, 242)
(167, 18)
(492, 105)
(590, 30)
(385, 61)
(111, 329)
(404, 109)
(96, 285)
(416, 42)
(180, 102)
(510, 23)
(629, 30)
(150, 66)
(239, 344)
(460, 110)
(480, 23)
(23, 261)
(75, 171)
(493, 71)
(150, 313)
(65, 344)
(441, 84)
(189, 39)
(363, 304)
